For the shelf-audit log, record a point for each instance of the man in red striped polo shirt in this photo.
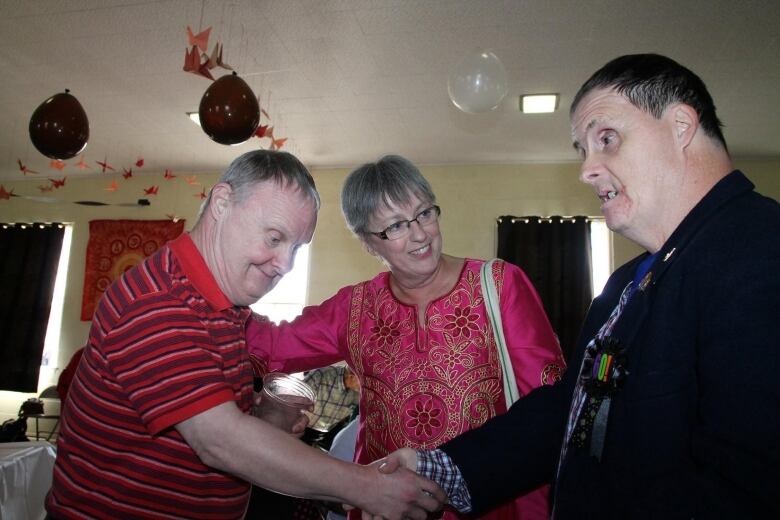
(158, 421)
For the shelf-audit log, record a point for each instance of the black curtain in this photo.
(555, 254)
(29, 254)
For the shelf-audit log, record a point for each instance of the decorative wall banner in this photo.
(114, 247)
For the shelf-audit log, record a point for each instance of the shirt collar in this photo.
(194, 266)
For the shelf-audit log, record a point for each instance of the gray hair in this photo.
(652, 82)
(391, 179)
(258, 166)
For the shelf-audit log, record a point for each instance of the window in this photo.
(600, 254)
(287, 299)
(51, 345)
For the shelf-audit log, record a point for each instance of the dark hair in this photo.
(391, 179)
(259, 166)
(651, 83)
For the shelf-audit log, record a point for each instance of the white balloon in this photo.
(478, 83)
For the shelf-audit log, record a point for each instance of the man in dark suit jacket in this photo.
(671, 406)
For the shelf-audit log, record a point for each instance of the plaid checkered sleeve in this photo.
(437, 466)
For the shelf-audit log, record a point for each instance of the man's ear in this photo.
(686, 123)
(220, 199)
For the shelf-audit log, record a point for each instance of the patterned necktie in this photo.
(584, 408)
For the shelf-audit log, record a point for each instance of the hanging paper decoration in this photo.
(139, 163)
(229, 112)
(151, 190)
(202, 195)
(200, 40)
(276, 144)
(192, 181)
(82, 164)
(168, 175)
(24, 169)
(59, 127)
(105, 166)
(113, 187)
(192, 64)
(215, 60)
(56, 164)
(262, 130)
(58, 183)
(127, 173)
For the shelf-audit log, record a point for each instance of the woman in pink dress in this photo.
(418, 336)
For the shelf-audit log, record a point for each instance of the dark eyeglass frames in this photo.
(401, 228)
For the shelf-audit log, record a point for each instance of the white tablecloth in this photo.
(25, 478)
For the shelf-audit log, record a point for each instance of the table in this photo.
(25, 478)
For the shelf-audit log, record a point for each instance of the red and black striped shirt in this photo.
(165, 345)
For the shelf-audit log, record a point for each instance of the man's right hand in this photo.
(418, 497)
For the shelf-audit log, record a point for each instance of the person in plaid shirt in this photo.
(337, 390)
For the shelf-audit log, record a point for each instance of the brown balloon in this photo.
(229, 112)
(59, 128)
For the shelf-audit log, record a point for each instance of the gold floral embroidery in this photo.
(423, 418)
(422, 395)
(551, 373)
(384, 333)
(462, 321)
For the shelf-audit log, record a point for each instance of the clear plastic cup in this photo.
(284, 399)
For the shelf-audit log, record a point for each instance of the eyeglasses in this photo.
(401, 228)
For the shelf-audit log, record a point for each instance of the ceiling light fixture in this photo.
(539, 103)
(193, 117)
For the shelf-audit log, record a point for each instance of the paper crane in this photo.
(82, 164)
(57, 184)
(200, 40)
(57, 164)
(24, 169)
(192, 181)
(127, 173)
(113, 187)
(151, 190)
(215, 60)
(277, 144)
(105, 165)
(168, 175)
(5, 195)
(139, 163)
(261, 131)
(202, 195)
(192, 64)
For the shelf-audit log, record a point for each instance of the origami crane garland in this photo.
(198, 62)
(54, 183)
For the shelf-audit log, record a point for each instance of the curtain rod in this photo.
(549, 219)
(24, 225)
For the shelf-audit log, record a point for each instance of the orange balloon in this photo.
(229, 112)
(59, 128)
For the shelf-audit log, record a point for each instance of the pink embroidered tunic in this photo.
(423, 384)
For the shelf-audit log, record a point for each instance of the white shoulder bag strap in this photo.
(490, 295)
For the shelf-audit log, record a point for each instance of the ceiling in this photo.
(349, 80)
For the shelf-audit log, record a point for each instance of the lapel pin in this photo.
(645, 281)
